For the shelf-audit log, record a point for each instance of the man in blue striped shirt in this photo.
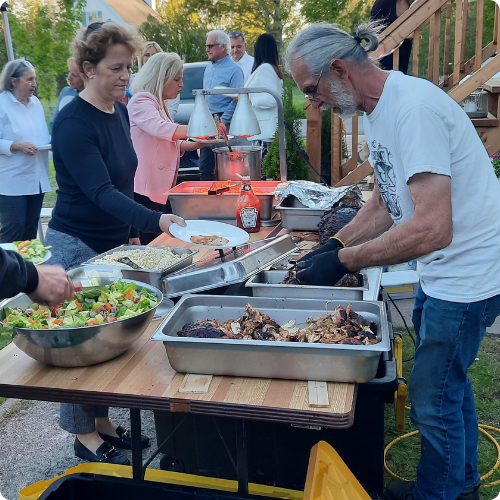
(223, 72)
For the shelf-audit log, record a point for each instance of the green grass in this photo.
(49, 200)
(46, 107)
(403, 457)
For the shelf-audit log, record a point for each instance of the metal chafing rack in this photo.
(263, 359)
(150, 276)
(228, 267)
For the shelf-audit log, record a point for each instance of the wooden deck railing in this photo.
(444, 46)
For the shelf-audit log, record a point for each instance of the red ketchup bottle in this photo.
(248, 208)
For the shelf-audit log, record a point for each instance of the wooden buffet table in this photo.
(142, 378)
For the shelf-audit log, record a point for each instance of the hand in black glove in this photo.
(324, 269)
(332, 244)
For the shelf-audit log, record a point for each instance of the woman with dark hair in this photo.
(266, 73)
(387, 11)
(24, 169)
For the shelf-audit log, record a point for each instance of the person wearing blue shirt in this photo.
(67, 94)
(223, 72)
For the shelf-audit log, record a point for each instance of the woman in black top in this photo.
(95, 165)
(388, 11)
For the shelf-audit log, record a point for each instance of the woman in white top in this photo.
(266, 73)
(24, 169)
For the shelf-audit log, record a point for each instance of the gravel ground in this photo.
(33, 446)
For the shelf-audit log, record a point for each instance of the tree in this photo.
(42, 33)
(180, 30)
(347, 14)
(253, 17)
(296, 167)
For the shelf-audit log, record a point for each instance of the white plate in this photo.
(235, 235)
(11, 246)
(45, 146)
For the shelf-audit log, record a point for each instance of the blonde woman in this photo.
(157, 140)
(149, 49)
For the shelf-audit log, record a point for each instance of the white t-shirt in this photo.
(246, 65)
(415, 127)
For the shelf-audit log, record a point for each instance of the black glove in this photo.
(324, 269)
(332, 244)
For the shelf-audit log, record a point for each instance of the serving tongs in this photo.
(225, 135)
(128, 262)
(222, 189)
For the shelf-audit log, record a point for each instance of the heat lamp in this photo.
(244, 123)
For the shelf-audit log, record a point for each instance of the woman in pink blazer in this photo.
(158, 141)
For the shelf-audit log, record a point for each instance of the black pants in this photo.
(207, 163)
(147, 238)
(19, 217)
(404, 58)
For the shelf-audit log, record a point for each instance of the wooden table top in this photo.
(142, 378)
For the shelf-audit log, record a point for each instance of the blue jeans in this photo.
(443, 408)
(69, 251)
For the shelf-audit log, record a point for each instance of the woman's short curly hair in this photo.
(91, 42)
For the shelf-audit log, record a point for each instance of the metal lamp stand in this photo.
(281, 116)
(6, 30)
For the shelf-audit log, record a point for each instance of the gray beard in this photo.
(345, 101)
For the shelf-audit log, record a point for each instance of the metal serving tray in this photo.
(190, 205)
(238, 265)
(297, 217)
(268, 284)
(285, 360)
(151, 276)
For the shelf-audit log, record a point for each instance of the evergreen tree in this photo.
(296, 167)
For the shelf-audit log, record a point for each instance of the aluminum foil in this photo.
(314, 195)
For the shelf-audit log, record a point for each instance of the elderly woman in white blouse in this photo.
(24, 168)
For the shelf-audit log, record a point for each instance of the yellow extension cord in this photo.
(481, 427)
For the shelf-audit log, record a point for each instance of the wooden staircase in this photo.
(467, 76)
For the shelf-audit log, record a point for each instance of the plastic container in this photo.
(327, 477)
(165, 480)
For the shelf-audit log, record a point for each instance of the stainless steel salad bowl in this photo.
(81, 346)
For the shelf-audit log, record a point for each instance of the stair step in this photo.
(489, 121)
(492, 85)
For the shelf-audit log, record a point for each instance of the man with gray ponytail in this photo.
(436, 200)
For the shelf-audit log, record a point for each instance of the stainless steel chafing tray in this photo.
(268, 284)
(191, 205)
(253, 358)
(237, 265)
(297, 217)
(151, 276)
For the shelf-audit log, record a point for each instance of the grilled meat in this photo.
(341, 326)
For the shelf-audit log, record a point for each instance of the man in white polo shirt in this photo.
(239, 53)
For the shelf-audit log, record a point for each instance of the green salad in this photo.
(89, 307)
(31, 250)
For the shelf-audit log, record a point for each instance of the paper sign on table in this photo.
(318, 394)
(195, 383)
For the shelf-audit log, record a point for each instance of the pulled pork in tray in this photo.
(349, 280)
(341, 326)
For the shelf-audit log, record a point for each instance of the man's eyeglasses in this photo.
(210, 45)
(312, 94)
